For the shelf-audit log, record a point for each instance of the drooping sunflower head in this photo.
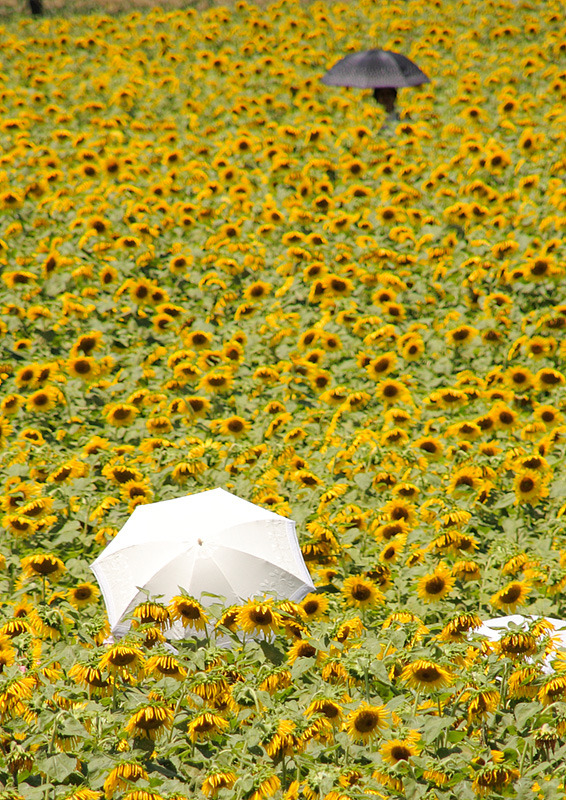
(152, 613)
(123, 658)
(150, 721)
(188, 611)
(259, 617)
(425, 675)
(43, 565)
(395, 751)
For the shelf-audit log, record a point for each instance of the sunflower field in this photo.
(218, 272)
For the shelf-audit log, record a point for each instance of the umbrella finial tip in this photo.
(199, 541)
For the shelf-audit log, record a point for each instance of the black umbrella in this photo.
(375, 69)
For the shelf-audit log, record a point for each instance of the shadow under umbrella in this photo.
(384, 71)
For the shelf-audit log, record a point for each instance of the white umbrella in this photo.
(494, 629)
(213, 542)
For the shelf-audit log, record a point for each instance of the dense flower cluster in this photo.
(216, 271)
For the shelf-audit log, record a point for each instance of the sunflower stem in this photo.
(366, 681)
(440, 714)
(114, 693)
(69, 405)
(523, 754)
(53, 735)
(175, 712)
(416, 703)
(503, 690)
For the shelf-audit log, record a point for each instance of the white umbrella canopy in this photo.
(211, 542)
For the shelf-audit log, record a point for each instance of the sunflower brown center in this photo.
(82, 366)
(122, 659)
(427, 674)
(149, 723)
(329, 710)
(189, 612)
(261, 616)
(311, 607)
(549, 378)
(366, 721)
(306, 650)
(526, 485)
(45, 567)
(123, 475)
(121, 413)
(400, 752)
(361, 592)
(511, 595)
(435, 585)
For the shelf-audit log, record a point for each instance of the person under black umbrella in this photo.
(386, 96)
(381, 70)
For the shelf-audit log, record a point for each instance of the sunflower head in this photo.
(366, 722)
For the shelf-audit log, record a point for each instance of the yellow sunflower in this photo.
(151, 613)
(303, 649)
(165, 666)
(361, 593)
(328, 708)
(150, 721)
(366, 722)
(436, 584)
(391, 392)
(530, 486)
(217, 780)
(396, 750)
(235, 426)
(123, 659)
(83, 595)
(188, 611)
(511, 596)
(121, 414)
(122, 777)
(206, 725)
(259, 617)
(314, 605)
(425, 675)
(42, 565)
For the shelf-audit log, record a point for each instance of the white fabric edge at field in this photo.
(494, 629)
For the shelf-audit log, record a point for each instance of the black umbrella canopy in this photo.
(375, 69)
